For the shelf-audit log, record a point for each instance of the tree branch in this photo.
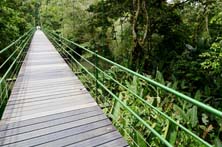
(135, 18)
(147, 21)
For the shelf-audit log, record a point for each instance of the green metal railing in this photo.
(65, 47)
(11, 65)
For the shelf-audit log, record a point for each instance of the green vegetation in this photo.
(136, 104)
(176, 43)
(16, 18)
(182, 40)
(14, 63)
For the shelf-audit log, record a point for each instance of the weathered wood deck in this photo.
(49, 106)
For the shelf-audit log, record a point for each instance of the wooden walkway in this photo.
(50, 107)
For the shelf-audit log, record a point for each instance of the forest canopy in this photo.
(181, 39)
(16, 17)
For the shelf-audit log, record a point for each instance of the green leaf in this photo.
(140, 140)
(197, 95)
(180, 112)
(116, 109)
(192, 114)
(173, 137)
(172, 133)
(218, 142)
(207, 90)
(159, 78)
(205, 119)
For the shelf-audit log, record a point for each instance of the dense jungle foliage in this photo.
(178, 43)
(181, 39)
(16, 17)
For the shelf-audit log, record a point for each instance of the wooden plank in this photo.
(51, 129)
(6, 120)
(40, 100)
(46, 73)
(39, 140)
(44, 87)
(30, 85)
(23, 112)
(32, 76)
(80, 137)
(46, 67)
(117, 142)
(46, 118)
(44, 93)
(52, 102)
(61, 79)
(55, 122)
(46, 90)
(97, 140)
(48, 97)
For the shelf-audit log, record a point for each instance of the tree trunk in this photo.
(137, 54)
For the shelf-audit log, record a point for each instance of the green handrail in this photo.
(16, 41)
(122, 103)
(181, 95)
(13, 63)
(140, 98)
(13, 53)
(210, 109)
(20, 47)
(58, 42)
(17, 55)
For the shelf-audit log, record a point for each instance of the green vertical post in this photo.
(96, 74)
(1, 92)
(6, 91)
(103, 37)
(73, 18)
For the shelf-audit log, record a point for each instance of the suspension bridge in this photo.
(44, 103)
